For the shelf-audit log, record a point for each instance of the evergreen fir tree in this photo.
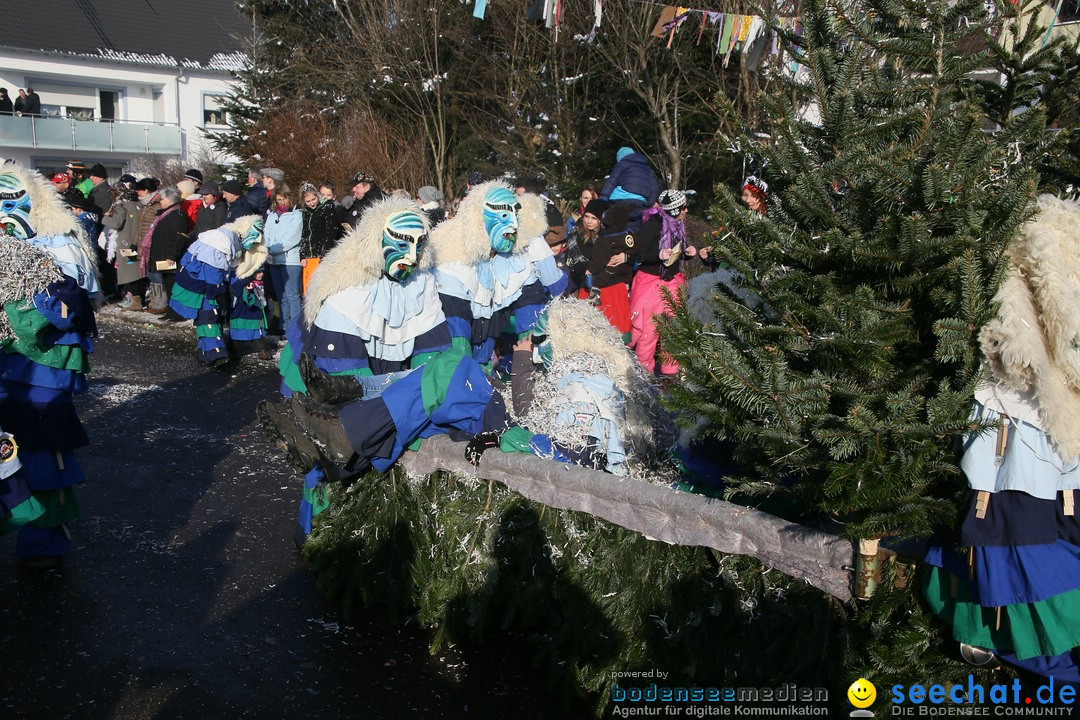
(281, 35)
(841, 356)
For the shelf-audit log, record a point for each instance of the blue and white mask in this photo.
(500, 219)
(402, 244)
(14, 207)
(254, 233)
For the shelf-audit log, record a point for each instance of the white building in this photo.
(117, 79)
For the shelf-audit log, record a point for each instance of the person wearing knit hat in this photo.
(195, 176)
(673, 202)
(607, 247)
(212, 211)
(431, 200)
(754, 194)
(98, 171)
(233, 192)
(661, 245)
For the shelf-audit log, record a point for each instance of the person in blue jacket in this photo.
(283, 231)
(633, 181)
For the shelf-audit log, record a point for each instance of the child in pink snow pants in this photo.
(647, 300)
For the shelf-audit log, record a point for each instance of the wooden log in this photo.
(659, 513)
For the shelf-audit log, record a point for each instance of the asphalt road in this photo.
(183, 596)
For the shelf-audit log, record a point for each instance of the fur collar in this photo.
(49, 215)
(1033, 344)
(357, 259)
(462, 239)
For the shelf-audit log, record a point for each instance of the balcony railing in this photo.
(47, 133)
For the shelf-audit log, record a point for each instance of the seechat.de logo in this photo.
(862, 695)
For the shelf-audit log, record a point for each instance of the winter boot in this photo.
(325, 388)
(133, 303)
(323, 423)
(287, 435)
(159, 301)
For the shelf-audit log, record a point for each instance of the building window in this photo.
(80, 113)
(213, 114)
(1070, 11)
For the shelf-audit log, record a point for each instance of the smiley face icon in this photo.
(862, 693)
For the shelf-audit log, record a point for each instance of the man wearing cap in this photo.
(273, 178)
(79, 180)
(233, 192)
(366, 192)
(101, 200)
(213, 211)
(62, 182)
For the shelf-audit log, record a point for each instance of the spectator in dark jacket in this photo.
(256, 194)
(31, 103)
(610, 264)
(365, 192)
(233, 192)
(101, 199)
(432, 202)
(321, 230)
(631, 179)
(168, 240)
(213, 211)
(6, 107)
(100, 194)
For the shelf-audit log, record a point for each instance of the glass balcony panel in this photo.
(129, 137)
(92, 136)
(53, 133)
(164, 139)
(16, 132)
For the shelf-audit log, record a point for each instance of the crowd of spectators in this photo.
(621, 246)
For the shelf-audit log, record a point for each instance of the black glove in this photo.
(476, 447)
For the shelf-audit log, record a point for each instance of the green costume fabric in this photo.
(435, 381)
(60, 506)
(516, 439)
(21, 514)
(27, 323)
(1028, 630)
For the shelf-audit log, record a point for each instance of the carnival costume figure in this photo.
(207, 269)
(49, 289)
(494, 270)
(1016, 594)
(369, 314)
(247, 313)
(369, 319)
